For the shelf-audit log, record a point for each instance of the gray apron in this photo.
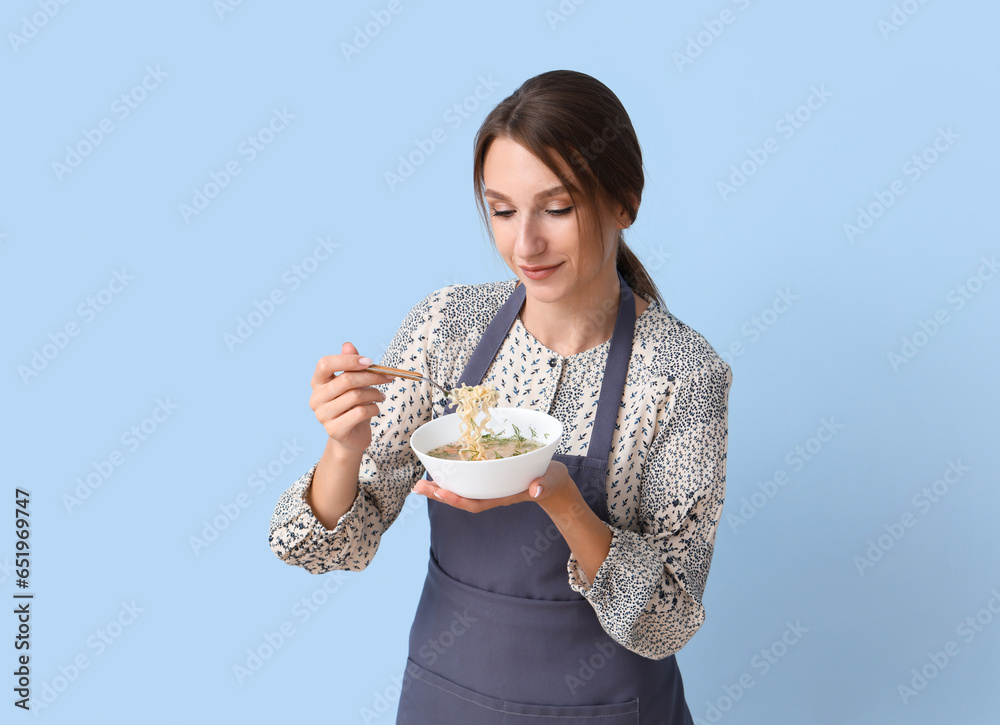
(499, 637)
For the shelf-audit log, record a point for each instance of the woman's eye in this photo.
(507, 213)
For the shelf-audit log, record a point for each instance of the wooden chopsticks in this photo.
(409, 374)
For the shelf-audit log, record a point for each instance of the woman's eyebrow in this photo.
(554, 191)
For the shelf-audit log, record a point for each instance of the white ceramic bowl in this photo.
(492, 478)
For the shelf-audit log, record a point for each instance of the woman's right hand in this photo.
(345, 404)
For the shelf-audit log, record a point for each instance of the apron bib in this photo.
(499, 637)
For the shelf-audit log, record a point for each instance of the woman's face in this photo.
(540, 234)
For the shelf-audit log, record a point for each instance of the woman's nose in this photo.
(529, 240)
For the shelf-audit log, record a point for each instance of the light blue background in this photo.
(719, 262)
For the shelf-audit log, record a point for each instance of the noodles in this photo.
(470, 402)
(477, 442)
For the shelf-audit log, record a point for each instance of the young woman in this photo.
(570, 599)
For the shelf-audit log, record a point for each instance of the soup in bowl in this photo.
(511, 463)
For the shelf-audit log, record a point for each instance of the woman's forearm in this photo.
(588, 538)
(334, 486)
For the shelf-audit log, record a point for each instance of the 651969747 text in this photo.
(22, 602)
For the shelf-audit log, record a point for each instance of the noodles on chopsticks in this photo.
(470, 401)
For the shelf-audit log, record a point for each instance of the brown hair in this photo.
(571, 115)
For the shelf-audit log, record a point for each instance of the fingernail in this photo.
(365, 360)
(437, 492)
(537, 493)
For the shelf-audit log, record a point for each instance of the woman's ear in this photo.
(623, 218)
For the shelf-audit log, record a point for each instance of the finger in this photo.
(360, 361)
(428, 488)
(334, 399)
(453, 499)
(424, 489)
(364, 398)
(328, 366)
(344, 425)
(348, 359)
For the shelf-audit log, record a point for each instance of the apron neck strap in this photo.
(615, 372)
(488, 347)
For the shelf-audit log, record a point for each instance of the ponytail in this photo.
(635, 274)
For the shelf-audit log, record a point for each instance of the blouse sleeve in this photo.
(648, 591)
(389, 468)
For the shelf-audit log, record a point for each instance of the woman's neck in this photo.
(578, 322)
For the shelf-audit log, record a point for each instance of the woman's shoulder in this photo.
(674, 350)
(468, 296)
(465, 299)
(459, 309)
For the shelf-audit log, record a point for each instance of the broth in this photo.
(493, 448)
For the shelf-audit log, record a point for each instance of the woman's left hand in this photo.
(554, 484)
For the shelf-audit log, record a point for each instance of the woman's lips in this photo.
(540, 273)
